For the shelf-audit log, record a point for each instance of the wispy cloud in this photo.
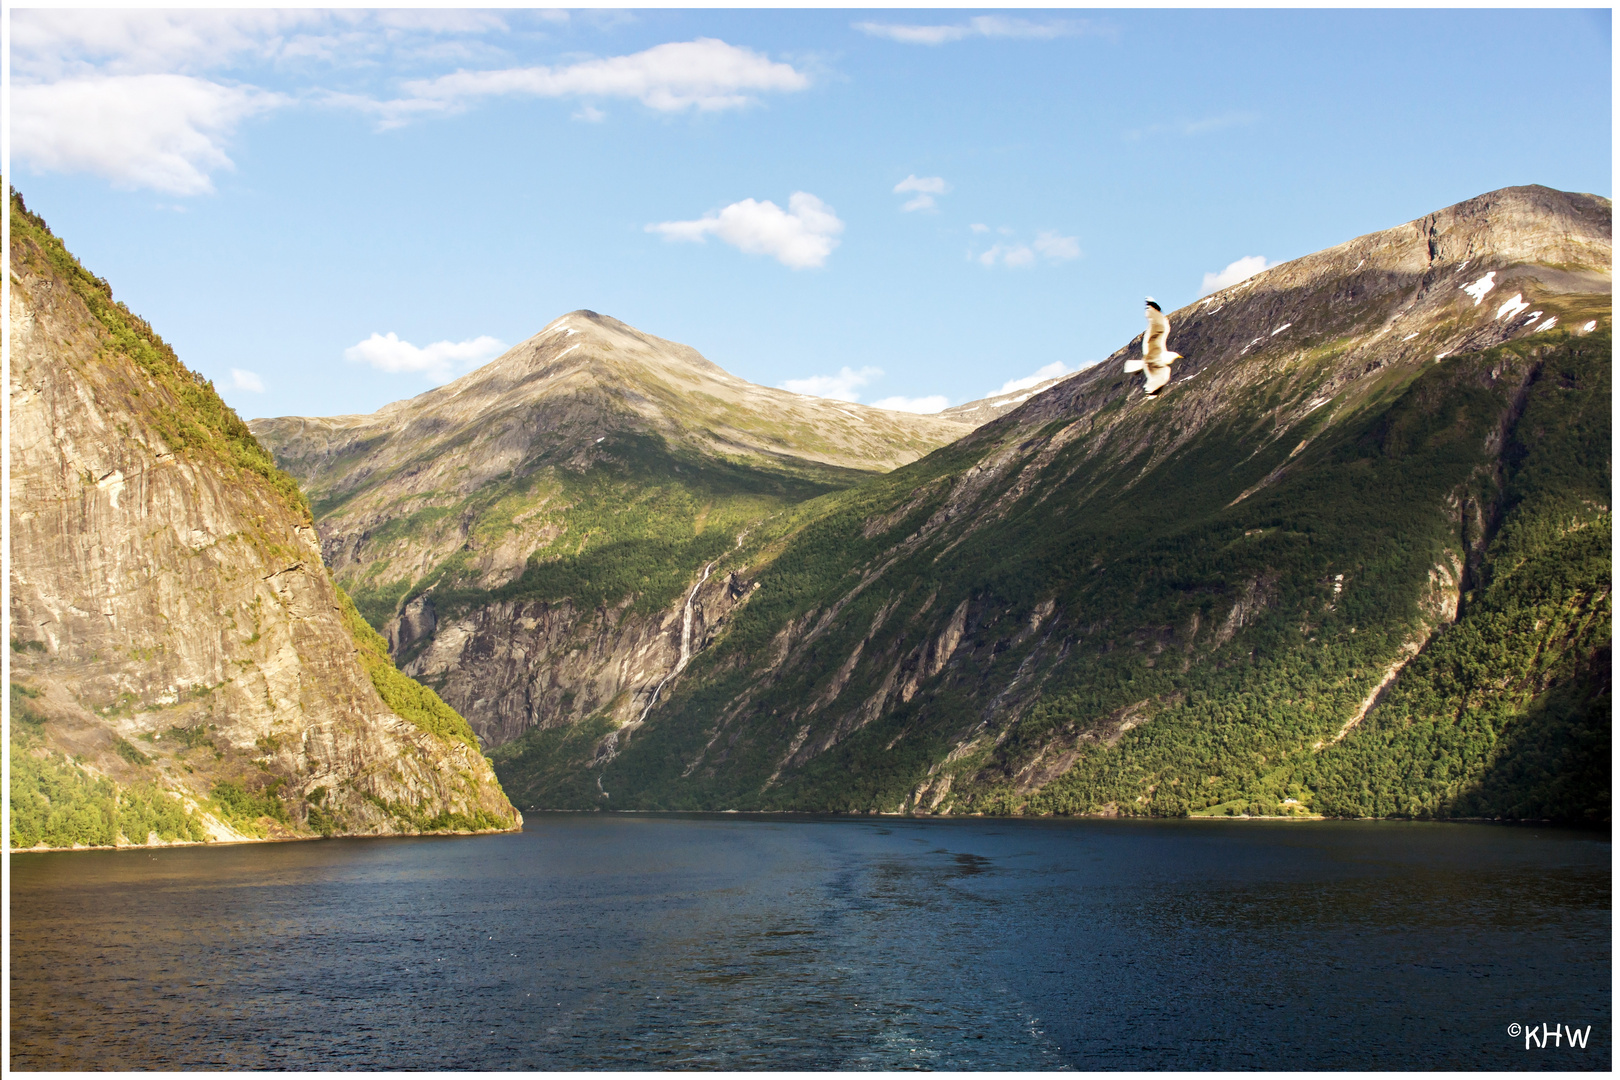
(1048, 246)
(1194, 127)
(984, 26)
(52, 44)
(800, 237)
(246, 380)
(1240, 270)
(844, 386)
(926, 188)
(440, 361)
(706, 75)
(1057, 248)
(1050, 371)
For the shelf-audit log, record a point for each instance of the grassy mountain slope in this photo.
(1207, 603)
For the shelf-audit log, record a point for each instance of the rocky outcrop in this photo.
(172, 622)
(513, 666)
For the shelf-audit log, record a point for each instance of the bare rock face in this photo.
(536, 664)
(172, 621)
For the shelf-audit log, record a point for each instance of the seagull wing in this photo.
(1153, 342)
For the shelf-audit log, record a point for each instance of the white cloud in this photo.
(129, 94)
(1057, 248)
(165, 132)
(706, 74)
(926, 188)
(123, 94)
(1047, 245)
(844, 386)
(1241, 270)
(1050, 371)
(989, 26)
(439, 361)
(801, 237)
(933, 403)
(246, 380)
(979, 228)
(1008, 255)
(52, 44)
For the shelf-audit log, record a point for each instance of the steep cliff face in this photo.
(1225, 600)
(533, 537)
(175, 636)
(538, 663)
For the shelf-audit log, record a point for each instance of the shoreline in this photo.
(1302, 819)
(166, 844)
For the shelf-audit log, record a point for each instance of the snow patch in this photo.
(1547, 325)
(1532, 317)
(1589, 327)
(1279, 329)
(1512, 307)
(1479, 288)
(1408, 337)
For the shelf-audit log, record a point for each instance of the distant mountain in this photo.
(987, 409)
(1354, 561)
(528, 535)
(183, 667)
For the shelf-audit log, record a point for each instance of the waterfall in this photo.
(686, 644)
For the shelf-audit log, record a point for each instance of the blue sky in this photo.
(325, 212)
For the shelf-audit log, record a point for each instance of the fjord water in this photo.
(724, 941)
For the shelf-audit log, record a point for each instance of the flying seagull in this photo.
(1156, 359)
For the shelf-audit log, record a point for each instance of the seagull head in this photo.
(1154, 304)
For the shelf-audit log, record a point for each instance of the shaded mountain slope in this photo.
(183, 666)
(1204, 603)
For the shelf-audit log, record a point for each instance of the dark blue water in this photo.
(609, 941)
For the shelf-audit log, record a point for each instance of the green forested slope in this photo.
(1508, 713)
(1189, 653)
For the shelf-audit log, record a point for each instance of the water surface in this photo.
(737, 942)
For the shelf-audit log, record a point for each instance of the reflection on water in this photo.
(725, 941)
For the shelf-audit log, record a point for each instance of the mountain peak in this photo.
(1346, 318)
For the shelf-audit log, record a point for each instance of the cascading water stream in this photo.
(611, 743)
(686, 644)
